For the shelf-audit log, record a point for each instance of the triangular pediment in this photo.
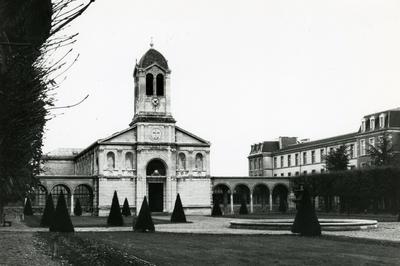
(127, 135)
(185, 137)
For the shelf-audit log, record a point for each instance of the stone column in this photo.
(270, 201)
(72, 203)
(251, 202)
(231, 203)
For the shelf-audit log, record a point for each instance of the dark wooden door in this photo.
(156, 196)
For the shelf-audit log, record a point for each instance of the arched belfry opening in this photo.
(149, 84)
(156, 167)
(160, 84)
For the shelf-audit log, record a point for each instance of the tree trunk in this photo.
(1, 211)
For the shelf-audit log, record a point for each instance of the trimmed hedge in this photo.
(61, 221)
(358, 190)
(178, 215)
(115, 216)
(48, 212)
(126, 211)
(144, 222)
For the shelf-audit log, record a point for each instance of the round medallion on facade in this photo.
(156, 134)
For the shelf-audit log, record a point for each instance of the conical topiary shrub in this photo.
(78, 208)
(126, 211)
(243, 207)
(115, 216)
(61, 220)
(178, 215)
(144, 222)
(306, 221)
(48, 212)
(28, 207)
(216, 210)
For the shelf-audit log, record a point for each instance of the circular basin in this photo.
(285, 224)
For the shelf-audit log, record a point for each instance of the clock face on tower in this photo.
(155, 101)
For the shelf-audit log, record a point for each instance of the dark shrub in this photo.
(48, 212)
(115, 216)
(243, 207)
(61, 221)
(216, 210)
(28, 207)
(306, 221)
(78, 208)
(144, 222)
(178, 215)
(126, 211)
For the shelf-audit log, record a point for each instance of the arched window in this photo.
(85, 195)
(160, 85)
(110, 160)
(40, 196)
(199, 162)
(149, 84)
(182, 161)
(129, 160)
(56, 191)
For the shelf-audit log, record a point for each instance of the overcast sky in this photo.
(242, 71)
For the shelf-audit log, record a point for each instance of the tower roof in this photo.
(153, 56)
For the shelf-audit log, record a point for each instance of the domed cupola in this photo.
(152, 56)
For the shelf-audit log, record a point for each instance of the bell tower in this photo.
(152, 88)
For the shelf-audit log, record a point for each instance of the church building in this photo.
(152, 157)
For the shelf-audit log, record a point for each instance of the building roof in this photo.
(320, 141)
(153, 56)
(63, 152)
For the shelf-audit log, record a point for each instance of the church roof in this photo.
(153, 56)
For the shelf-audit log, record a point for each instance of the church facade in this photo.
(152, 157)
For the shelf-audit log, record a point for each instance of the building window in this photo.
(282, 174)
(260, 163)
(289, 174)
(362, 147)
(110, 160)
(382, 121)
(372, 123)
(181, 161)
(304, 172)
(312, 156)
(304, 157)
(297, 173)
(40, 196)
(351, 151)
(281, 161)
(160, 85)
(199, 162)
(149, 85)
(289, 160)
(372, 142)
(275, 175)
(363, 125)
(331, 149)
(321, 155)
(275, 162)
(255, 164)
(313, 171)
(129, 160)
(296, 159)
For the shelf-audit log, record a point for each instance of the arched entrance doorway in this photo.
(260, 197)
(57, 190)
(156, 174)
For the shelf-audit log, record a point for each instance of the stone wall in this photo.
(125, 188)
(195, 194)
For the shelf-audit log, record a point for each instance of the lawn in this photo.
(191, 249)
(87, 221)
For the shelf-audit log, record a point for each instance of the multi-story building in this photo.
(288, 156)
